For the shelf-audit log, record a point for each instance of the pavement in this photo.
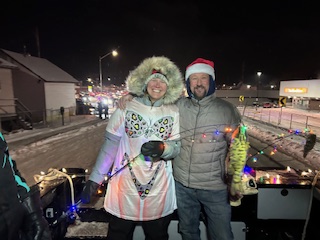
(40, 132)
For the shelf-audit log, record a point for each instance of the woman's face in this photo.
(156, 89)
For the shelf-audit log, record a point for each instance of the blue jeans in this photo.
(217, 210)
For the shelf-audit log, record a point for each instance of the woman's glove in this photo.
(35, 226)
(88, 191)
(153, 149)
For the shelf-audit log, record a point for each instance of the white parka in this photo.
(138, 189)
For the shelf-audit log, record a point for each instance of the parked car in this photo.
(275, 105)
(267, 105)
(256, 104)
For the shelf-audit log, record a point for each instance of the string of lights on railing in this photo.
(273, 177)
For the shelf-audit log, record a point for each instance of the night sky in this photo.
(279, 38)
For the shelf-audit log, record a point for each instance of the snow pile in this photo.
(286, 142)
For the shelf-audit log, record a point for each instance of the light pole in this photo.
(259, 74)
(114, 53)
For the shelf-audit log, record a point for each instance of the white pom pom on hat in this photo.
(200, 65)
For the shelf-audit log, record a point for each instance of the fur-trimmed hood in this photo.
(136, 80)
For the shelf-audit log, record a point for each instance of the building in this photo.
(303, 94)
(33, 90)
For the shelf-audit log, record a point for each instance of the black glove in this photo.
(35, 226)
(152, 148)
(88, 191)
(310, 142)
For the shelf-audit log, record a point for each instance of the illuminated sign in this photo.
(282, 101)
(296, 90)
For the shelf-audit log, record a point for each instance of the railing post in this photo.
(280, 115)
(62, 115)
(44, 118)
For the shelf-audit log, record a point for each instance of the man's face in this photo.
(199, 84)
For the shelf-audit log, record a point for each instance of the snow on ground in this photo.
(291, 144)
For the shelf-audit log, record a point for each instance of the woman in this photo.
(140, 142)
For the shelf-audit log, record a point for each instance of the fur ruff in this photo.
(136, 80)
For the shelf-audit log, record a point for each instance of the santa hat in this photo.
(200, 65)
(156, 67)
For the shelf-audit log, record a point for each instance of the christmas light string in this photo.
(109, 176)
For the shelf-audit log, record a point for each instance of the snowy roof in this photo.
(42, 68)
(6, 64)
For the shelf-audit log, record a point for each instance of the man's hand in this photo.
(153, 149)
(123, 100)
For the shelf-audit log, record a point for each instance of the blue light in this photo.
(247, 169)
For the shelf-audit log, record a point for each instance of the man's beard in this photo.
(197, 96)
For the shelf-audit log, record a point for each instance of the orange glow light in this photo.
(296, 90)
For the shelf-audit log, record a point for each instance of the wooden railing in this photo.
(18, 111)
(24, 114)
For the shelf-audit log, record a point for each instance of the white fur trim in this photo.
(200, 68)
(136, 80)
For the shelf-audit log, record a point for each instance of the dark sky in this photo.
(279, 38)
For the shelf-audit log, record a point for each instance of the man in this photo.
(207, 124)
(21, 215)
(100, 108)
(206, 127)
(106, 111)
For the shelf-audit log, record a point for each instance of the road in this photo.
(77, 148)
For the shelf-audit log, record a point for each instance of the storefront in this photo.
(302, 94)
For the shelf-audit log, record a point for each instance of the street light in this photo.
(259, 74)
(114, 53)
